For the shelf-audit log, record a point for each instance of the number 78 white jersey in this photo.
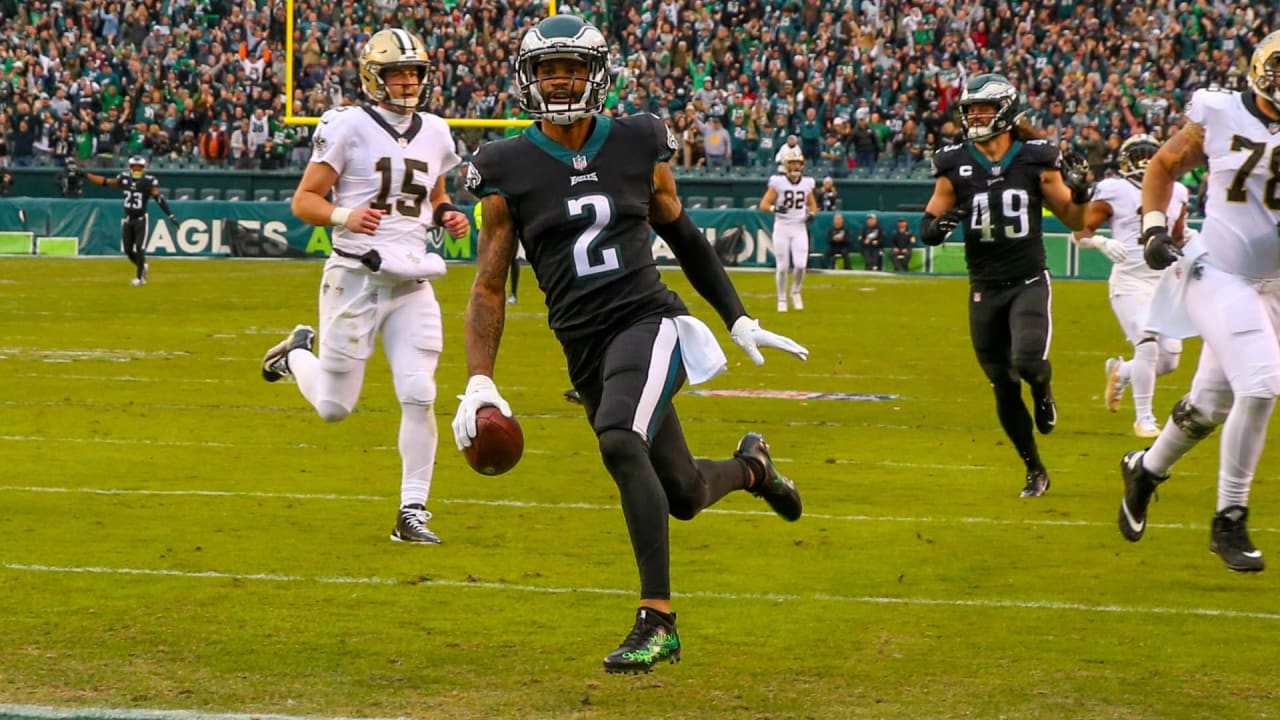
(381, 165)
(1243, 201)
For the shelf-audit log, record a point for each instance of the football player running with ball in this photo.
(994, 187)
(1230, 295)
(385, 164)
(580, 191)
(1118, 202)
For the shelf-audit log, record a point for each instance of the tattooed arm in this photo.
(487, 310)
(1180, 154)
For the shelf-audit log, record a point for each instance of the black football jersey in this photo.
(1002, 235)
(583, 219)
(137, 191)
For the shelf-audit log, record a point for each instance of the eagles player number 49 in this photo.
(410, 206)
(601, 209)
(1235, 193)
(1015, 204)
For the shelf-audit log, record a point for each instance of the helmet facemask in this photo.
(562, 37)
(1136, 154)
(387, 49)
(993, 90)
(795, 168)
(1264, 69)
(137, 166)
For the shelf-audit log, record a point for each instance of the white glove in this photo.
(1115, 250)
(480, 392)
(1089, 242)
(748, 335)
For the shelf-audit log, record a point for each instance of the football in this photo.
(498, 443)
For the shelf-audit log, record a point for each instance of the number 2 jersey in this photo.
(793, 197)
(1002, 236)
(387, 161)
(1242, 146)
(137, 192)
(583, 219)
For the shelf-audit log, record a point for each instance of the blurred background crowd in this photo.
(861, 86)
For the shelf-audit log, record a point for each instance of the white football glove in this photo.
(1115, 250)
(480, 392)
(748, 335)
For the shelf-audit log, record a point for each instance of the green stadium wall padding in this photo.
(62, 246)
(269, 229)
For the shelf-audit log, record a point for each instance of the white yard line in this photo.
(763, 597)
(46, 712)
(523, 504)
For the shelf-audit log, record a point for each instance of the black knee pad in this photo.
(1184, 416)
(620, 449)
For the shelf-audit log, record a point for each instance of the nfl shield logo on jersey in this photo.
(579, 162)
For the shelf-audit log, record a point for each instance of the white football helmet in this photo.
(1264, 68)
(793, 162)
(1135, 153)
(390, 48)
(137, 166)
(563, 36)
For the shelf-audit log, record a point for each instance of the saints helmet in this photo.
(1135, 153)
(563, 36)
(137, 166)
(389, 48)
(1264, 68)
(989, 89)
(793, 164)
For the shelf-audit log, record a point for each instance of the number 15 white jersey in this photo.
(388, 161)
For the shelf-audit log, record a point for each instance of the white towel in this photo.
(1168, 311)
(702, 355)
(404, 264)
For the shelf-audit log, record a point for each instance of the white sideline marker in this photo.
(766, 597)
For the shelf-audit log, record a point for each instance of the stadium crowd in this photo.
(858, 83)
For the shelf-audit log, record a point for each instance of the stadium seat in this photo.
(264, 195)
(236, 194)
(285, 194)
(184, 193)
(210, 194)
(722, 202)
(695, 201)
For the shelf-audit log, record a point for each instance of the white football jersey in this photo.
(1243, 201)
(379, 164)
(1125, 198)
(794, 196)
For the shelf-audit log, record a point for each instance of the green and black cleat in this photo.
(650, 641)
(774, 488)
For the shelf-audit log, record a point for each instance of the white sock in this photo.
(780, 280)
(1172, 444)
(1142, 377)
(418, 441)
(1243, 435)
(305, 368)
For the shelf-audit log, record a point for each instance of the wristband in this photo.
(338, 218)
(440, 210)
(1153, 219)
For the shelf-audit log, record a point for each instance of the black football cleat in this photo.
(1230, 540)
(573, 396)
(1037, 483)
(774, 488)
(1139, 487)
(1046, 413)
(651, 639)
(275, 364)
(411, 526)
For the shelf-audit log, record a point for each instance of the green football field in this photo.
(177, 534)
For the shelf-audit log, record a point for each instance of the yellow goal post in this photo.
(291, 119)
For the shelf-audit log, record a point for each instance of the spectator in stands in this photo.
(241, 152)
(834, 157)
(871, 238)
(904, 242)
(866, 148)
(717, 145)
(839, 243)
(215, 144)
(828, 196)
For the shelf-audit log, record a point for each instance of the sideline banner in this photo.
(269, 229)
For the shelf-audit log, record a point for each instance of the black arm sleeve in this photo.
(705, 271)
(164, 204)
(929, 232)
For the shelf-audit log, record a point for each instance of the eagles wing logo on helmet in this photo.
(1264, 68)
(563, 37)
(989, 89)
(473, 181)
(392, 48)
